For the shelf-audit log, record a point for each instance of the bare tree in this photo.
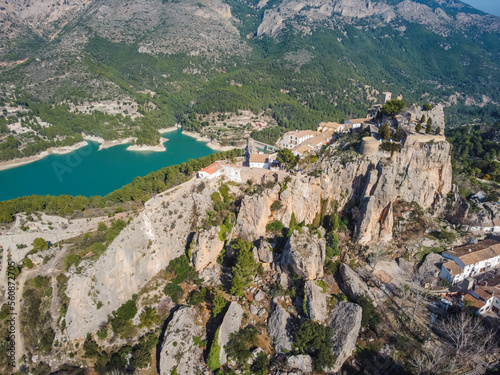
(466, 336)
(432, 362)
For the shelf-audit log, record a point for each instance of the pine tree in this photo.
(438, 131)
(428, 128)
(384, 131)
(422, 120)
(418, 127)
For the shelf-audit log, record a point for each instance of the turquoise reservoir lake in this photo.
(88, 171)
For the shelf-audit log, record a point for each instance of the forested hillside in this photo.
(309, 67)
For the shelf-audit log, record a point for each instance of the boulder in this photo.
(206, 247)
(230, 324)
(345, 320)
(300, 362)
(178, 350)
(259, 296)
(429, 269)
(352, 285)
(315, 301)
(265, 252)
(305, 253)
(283, 280)
(278, 327)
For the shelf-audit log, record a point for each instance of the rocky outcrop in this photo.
(303, 363)
(265, 252)
(429, 269)
(345, 320)
(352, 285)
(314, 11)
(254, 215)
(420, 173)
(278, 329)
(315, 301)
(178, 350)
(305, 253)
(206, 247)
(230, 324)
(436, 113)
(141, 250)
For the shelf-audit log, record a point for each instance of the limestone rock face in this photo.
(230, 324)
(178, 349)
(264, 252)
(352, 285)
(141, 250)
(306, 254)
(300, 362)
(420, 173)
(206, 247)
(277, 327)
(429, 270)
(254, 215)
(315, 301)
(436, 113)
(345, 320)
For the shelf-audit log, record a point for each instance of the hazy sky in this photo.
(488, 6)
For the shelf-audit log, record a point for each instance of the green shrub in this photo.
(245, 266)
(148, 317)
(219, 303)
(239, 344)
(370, 317)
(70, 260)
(182, 269)
(128, 310)
(314, 339)
(174, 291)
(213, 361)
(198, 296)
(276, 206)
(275, 226)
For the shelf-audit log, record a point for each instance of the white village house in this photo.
(259, 161)
(356, 123)
(295, 138)
(485, 298)
(219, 168)
(470, 260)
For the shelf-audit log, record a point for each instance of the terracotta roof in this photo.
(331, 125)
(359, 120)
(475, 257)
(259, 158)
(302, 133)
(302, 149)
(486, 292)
(474, 301)
(214, 167)
(462, 250)
(453, 268)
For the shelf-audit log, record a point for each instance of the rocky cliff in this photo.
(157, 235)
(452, 15)
(368, 187)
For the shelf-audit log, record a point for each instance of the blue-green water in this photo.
(87, 171)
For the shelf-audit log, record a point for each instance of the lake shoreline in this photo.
(154, 148)
(214, 146)
(50, 151)
(103, 144)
